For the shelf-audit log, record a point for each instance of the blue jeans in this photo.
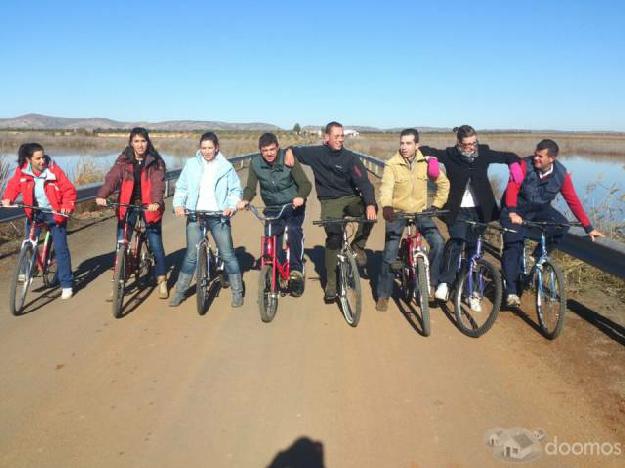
(460, 232)
(221, 232)
(155, 239)
(513, 242)
(59, 239)
(293, 218)
(394, 230)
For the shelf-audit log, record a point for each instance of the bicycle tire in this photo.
(422, 296)
(550, 300)
(486, 288)
(267, 298)
(350, 296)
(202, 276)
(145, 264)
(407, 275)
(119, 281)
(19, 289)
(50, 272)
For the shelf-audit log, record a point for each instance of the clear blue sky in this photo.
(492, 64)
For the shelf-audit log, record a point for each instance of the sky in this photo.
(491, 64)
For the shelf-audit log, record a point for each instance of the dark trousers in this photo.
(511, 261)
(394, 230)
(459, 232)
(293, 218)
(336, 208)
(59, 239)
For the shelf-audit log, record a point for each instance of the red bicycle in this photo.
(274, 279)
(33, 260)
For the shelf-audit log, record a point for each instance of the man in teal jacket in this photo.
(280, 185)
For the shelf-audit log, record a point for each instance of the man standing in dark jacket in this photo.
(343, 188)
(471, 197)
(280, 185)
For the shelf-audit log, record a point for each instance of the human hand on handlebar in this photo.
(179, 211)
(153, 207)
(101, 201)
(297, 202)
(242, 204)
(229, 212)
(371, 213)
(515, 218)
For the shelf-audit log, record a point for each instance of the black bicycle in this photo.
(349, 293)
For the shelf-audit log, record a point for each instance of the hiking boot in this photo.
(361, 256)
(182, 284)
(163, 293)
(296, 283)
(236, 287)
(442, 292)
(330, 294)
(382, 304)
(513, 301)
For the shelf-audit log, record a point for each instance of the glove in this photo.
(433, 168)
(388, 213)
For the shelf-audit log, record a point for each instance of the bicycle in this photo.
(132, 257)
(275, 276)
(209, 269)
(477, 290)
(349, 293)
(31, 260)
(414, 266)
(545, 282)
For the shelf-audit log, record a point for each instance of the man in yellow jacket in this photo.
(404, 189)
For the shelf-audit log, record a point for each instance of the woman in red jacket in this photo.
(139, 175)
(43, 183)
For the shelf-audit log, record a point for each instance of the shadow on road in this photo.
(303, 453)
(316, 256)
(91, 268)
(610, 328)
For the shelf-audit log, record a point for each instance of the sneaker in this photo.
(330, 294)
(513, 301)
(475, 303)
(382, 304)
(296, 283)
(361, 256)
(21, 277)
(442, 292)
(66, 293)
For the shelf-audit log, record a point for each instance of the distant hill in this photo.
(46, 122)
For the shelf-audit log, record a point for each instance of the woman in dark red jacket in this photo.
(139, 175)
(43, 183)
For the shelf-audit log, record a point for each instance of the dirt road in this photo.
(167, 387)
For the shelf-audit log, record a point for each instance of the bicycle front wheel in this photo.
(350, 295)
(50, 272)
(202, 277)
(119, 281)
(477, 298)
(22, 278)
(422, 296)
(267, 294)
(145, 259)
(550, 299)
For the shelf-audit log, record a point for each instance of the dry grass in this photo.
(580, 276)
(86, 172)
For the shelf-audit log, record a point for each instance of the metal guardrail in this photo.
(605, 254)
(88, 192)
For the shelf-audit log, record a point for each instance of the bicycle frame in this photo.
(33, 239)
(414, 245)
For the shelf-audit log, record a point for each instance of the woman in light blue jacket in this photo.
(208, 182)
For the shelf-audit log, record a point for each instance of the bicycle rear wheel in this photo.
(50, 271)
(550, 299)
(422, 296)
(477, 298)
(22, 278)
(119, 281)
(267, 294)
(202, 277)
(350, 295)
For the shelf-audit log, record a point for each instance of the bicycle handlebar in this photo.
(343, 220)
(38, 208)
(204, 213)
(542, 225)
(261, 217)
(424, 214)
(110, 204)
(490, 226)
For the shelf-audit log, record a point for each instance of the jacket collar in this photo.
(399, 160)
(46, 173)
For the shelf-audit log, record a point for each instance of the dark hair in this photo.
(410, 131)
(26, 151)
(129, 153)
(331, 125)
(549, 145)
(267, 139)
(464, 131)
(210, 136)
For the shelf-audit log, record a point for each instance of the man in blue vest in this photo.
(280, 185)
(542, 177)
